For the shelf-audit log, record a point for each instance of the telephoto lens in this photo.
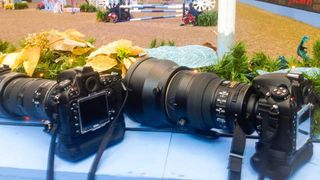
(21, 95)
(80, 107)
(277, 106)
(165, 94)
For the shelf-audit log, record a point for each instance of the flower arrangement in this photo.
(118, 56)
(47, 53)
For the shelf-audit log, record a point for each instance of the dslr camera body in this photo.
(283, 117)
(87, 104)
(279, 107)
(80, 106)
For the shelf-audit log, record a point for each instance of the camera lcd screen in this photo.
(93, 111)
(303, 126)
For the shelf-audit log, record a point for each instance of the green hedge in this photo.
(208, 18)
(20, 5)
(102, 16)
(87, 8)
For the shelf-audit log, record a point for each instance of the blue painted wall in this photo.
(307, 17)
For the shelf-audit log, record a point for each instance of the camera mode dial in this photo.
(280, 92)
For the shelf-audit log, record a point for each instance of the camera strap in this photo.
(236, 153)
(269, 125)
(104, 143)
(106, 138)
(50, 163)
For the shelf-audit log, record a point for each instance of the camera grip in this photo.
(88, 144)
(280, 165)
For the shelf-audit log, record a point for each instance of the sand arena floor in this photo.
(260, 30)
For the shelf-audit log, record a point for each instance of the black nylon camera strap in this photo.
(270, 124)
(236, 153)
(50, 163)
(106, 139)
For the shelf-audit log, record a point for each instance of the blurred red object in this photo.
(189, 19)
(113, 17)
(40, 5)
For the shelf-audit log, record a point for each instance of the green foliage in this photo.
(52, 63)
(171, 43)
(233, 66)
(91, 40)
(87, 8)
(22, 43)
(315, 80)
(316, 122)
(208, 18)
(316, 54)
(6, 47)
(20, 5)
(123, 53)
(260, 61)
(294, 62)
(312, 62)
(154, 43)
(102, 16)
(162, 43)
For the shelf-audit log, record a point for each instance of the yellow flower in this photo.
(30, 57)
(60, 41)
(13, 60)
(9, 6)
(2, 56)
(69, 40)
(102, 63)
(118, 53)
